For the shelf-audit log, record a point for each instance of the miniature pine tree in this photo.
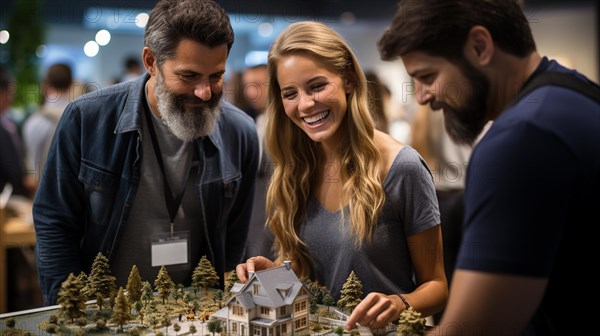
(328, 301)
(100, 279)
(204, 275)
(134, 285)
(230, 281)
(163, 284)
(147, 293)
(351, 293)
(166, 321)
(218, 297)
(176, 327)
(83, 278)
(411, 323)
(193, 329)
(71, 299)
(121, 310)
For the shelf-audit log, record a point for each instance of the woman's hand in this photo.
(253, 264)
(375, 311)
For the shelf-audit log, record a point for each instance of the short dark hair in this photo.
(132, 62)
(203, 21)
(440, 27)
(59, 76)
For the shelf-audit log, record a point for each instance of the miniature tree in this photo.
(10, 323)
(411, 323)
(178, 293)
(147, 293)
(82, 322)
(218, 297)
(101, 282)
(231, 280)
(71, 299)
(83, 278)
(351, 293)
(121, 311)
(193, 329)
(134, 285)
(214, 326)
(100, 324)
(339, 331)
(328, 301)
(52, 328)
(163, 284)
(176, 327)
(166, 321)
(204, 275)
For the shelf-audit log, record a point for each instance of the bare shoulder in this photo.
(388, 147)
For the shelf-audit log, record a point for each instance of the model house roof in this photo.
(272, 288)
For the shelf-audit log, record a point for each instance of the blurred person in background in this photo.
(12, 170)
(255, 81)
(133, 69)
(38, 128)
(377, 101)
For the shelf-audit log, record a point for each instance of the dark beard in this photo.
(465, 123)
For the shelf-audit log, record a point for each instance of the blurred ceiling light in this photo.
(141, 20)
(103, 37)
(4, 36)
(41, 51)
(265, 29)
(91, 49)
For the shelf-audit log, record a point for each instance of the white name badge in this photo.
(172, 251)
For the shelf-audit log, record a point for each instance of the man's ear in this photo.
(149, 60)
(479, 47)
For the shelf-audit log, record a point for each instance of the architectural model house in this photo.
(272, 302)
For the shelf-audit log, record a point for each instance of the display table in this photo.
(16, 230)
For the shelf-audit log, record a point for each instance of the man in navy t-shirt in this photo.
(534, 177)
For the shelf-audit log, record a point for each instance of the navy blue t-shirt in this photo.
(532, 190)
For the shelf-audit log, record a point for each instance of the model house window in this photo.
(234, 328)
(265, 310)
(256, 331)
(255, 289)
(301, 323)
(282, 311)
(284, 328)
(237, 310)
(300, 306)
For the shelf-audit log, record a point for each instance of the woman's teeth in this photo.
(316, 118)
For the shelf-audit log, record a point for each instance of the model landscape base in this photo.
(272, 302)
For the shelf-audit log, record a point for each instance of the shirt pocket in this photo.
(100, 187)
(221, 194)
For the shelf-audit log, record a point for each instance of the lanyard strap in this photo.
(172, 203)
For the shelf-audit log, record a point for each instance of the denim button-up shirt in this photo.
(93, 170)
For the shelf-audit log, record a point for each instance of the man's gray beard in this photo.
(187, 125)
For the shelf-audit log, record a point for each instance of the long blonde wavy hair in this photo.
(297, 158)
